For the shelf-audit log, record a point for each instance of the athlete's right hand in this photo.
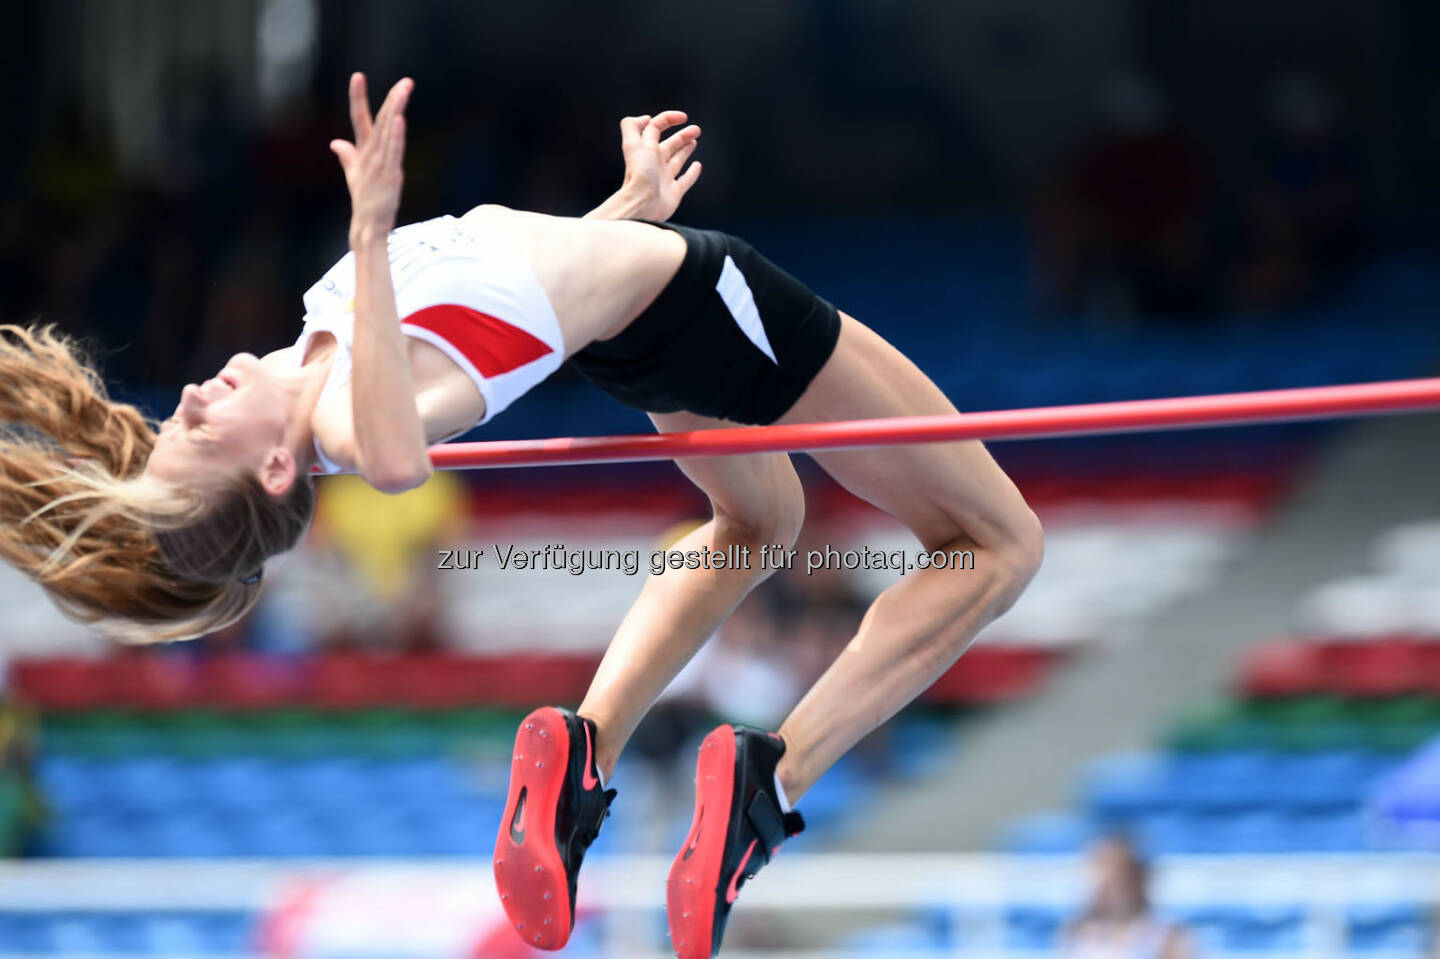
(373, 163)
(656, 178)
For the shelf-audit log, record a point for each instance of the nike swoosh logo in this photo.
(734, 889)
(517, 822)
(695, 836)
(587, 780)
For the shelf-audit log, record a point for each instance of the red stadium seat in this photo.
(1288, 668)
(156, 679)
(992, 675)
(64, 684)
(531, 680)
(1378, 668)
(439, 680)
(442, 681)
(1430, 664)
(354, 681)
(243, 681)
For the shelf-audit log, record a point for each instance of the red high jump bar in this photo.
(1088, 419)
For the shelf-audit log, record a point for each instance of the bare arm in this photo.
(656, 178)
(390, 447)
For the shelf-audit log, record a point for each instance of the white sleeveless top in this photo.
(458, 290)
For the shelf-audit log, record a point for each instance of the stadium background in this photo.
(1232, 653)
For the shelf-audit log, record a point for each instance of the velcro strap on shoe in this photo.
(765, 818)
(598, 813)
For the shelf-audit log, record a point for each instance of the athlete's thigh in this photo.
(761, 492)
(938, 490)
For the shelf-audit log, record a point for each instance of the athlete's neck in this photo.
(302, 385)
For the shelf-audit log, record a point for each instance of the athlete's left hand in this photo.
(656, 178)
(373, 164)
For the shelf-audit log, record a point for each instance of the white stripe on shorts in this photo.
(741, 302)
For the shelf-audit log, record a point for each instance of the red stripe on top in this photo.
(491, 344)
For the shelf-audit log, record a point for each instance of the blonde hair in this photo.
(138, 558)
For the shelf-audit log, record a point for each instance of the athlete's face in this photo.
(235, 421)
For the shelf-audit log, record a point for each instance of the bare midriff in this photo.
(598, 274)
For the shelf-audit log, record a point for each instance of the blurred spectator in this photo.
(297, 173)
(1303, 218)
(22, 810)
(19, 281)
(749, 672)
(202, 141)
(1126, 224)
(387, 547)
(1118, 922)
(248, 309)
(70, 171)
(817, 611)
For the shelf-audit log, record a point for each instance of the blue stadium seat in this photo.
(1399, 928)
(466, 829)
(73, 784)
(129, 934)
(83, 933)
(188, 934)
(197, 832)
(1047, 834)
(1231, 802)
(1225, 780)
(921, 744)
(27, 933)
(1327, 780)
(334, 783)
(838, 792)
(1172, 833)
(1249, 831)
(100, 832)
(423, 782)
(291, 832)
(1119, 788)
(1222, 928)
(1328, 831)
(895, 939)
(376, 831)
(1034, 927)
(151, 784)
(228, 933)
(247, 785)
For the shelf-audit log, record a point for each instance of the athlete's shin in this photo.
(676, 612)
(912, 633)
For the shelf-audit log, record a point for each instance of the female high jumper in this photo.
(419, 334)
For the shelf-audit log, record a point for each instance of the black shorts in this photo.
(732, 336)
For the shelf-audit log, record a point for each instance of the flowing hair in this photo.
(138, 558)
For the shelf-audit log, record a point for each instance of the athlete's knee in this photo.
(1017, 555)
(770, 520)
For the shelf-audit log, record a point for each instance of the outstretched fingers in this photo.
(389, 124)
(360, 110)
(666, 119)
(345, 151)
(679, 140)
(395, 150)
(631, 129)
(687, 179)
(387, 109)
(678, 157)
